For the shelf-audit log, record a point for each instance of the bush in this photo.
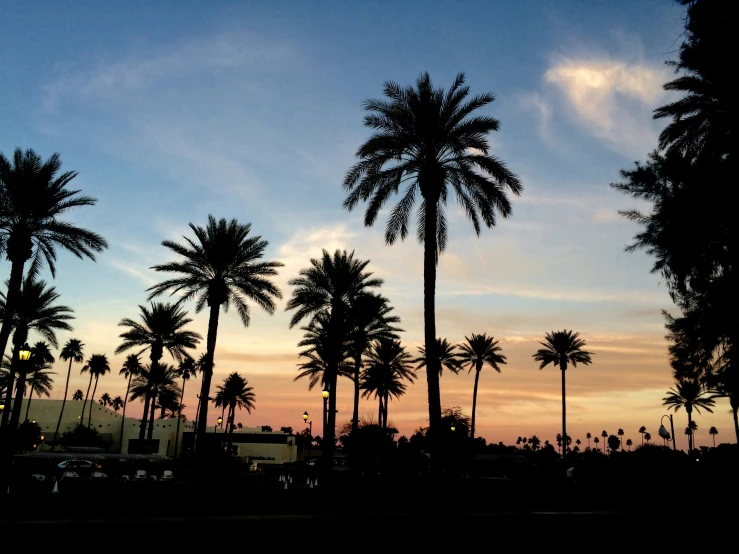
(82, 436)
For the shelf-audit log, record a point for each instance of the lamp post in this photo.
(24, 354)
(310, 439)
(664, 433)
(324, 395)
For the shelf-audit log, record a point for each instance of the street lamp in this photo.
(25, 352)
(324, 395)
(453, 428)
(664, 433)
(219, 422)
(310, 439)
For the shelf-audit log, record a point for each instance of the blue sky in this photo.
(174, 110)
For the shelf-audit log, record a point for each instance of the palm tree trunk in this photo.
(123, 420)
(329, 438)
(735, 409)
(207, 371)
(92, 401)
(179, 416)
(474, 399)
(429, 328)
(82, 417)
(30, 395)
(64, 402)
(690, 436)
(379, 411)
(355, 412)
(14, 288)
(15, 364)
(563, 369)
(197, 413)
(152, 414)
(20, 386)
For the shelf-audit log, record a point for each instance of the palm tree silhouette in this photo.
(477, 351)
(713, 432)
(561, 348)
(40, 380)
(588, 436)
(370, 320)
(448, 357)
(620, 434)
(159, 381)
(131, 368)
(72, 352)
(98, 366)
(33, 199)
(388, 366)
(161, 328)
(117, 403)
(629, 443)
(330, 286)
(728, 387)
(642, 430)
(77, 395)
(689, 394)
(578, 443)
(604, 434)
(427, 138)
(222, 266)
(647, 437)
(105, 399)
(235, 392)
(596, 440)
(319, 352)
(535, 442)
(185, 370)
(36, 311)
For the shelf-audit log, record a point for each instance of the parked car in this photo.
(167, 476)
(98, 476)
(69, 476)
(140, 475)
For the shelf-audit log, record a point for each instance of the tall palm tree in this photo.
(578, 442)
(131, 368)
(161, 328)
(620, 434)
(222, 266)
(588, 436)
(97, 366)
(36, 311)
(642, 430)
(32, 200)
(604, 434)
(158, 382)
(562, 348)
(315, 364)
(186, 370)
(647, 437)
(689, 394)
(370, 320)
(596, 440)
(629, 443)
(430, 140)
(477, 351)
(71, 352)
(713, 432)
(330, 286)
(235, 393)
(535, 442)
(388, 367)
(447, 356)
(40, 380)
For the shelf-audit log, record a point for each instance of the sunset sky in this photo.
(171, 111)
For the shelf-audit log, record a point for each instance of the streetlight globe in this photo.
(220, 420)
(305, 416)
(663, 432)
(25, 352)
(42, 438)
(324, 394)
(454, 428)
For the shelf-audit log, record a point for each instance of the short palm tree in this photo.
(535, 442)
(37, 311)
(315, 358)
(448, 357)
(156, 381)
(97, 366)
(105, 399)
(647, 437)
(186, 370)
(713, 432)
(78, 395)
(40, 380)
(162, 328)
(642, 430)
(429, 141)
(71, 352)
(117, 403)
(604, 434)
(629, 443)
(234, 393)
(689, 394)
(32, 200)
(596, 440)
(131, 368)
(370, 320)
(588, 436)
(387, 368)
(578, 442)
(620, 434)
(475, 353)
(330, 286)
(560, 349)
(221, 266)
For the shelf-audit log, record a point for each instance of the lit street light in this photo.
(310, 439)
(220, 422)
(24, 354)
(664, 433)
